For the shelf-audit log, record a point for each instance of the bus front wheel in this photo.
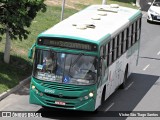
(102, 100)
(123, 85)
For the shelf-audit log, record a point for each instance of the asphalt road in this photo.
(141, 93)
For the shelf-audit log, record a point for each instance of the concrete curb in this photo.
(10, 91)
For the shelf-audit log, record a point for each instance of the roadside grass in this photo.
(11, 74)
(79, 4)
(127, 3)
(20, 66)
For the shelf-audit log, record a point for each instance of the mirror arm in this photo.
(33, 46)
(31, 51)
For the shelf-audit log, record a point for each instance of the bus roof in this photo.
(105, 26)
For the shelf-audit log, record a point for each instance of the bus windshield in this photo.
(77, 69)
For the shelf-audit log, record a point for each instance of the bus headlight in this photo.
(91, 94)
(33, 87)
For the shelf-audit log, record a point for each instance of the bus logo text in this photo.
(49, 91)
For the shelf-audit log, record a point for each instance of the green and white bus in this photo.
(81, 61)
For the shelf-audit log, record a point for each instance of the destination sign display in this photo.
(67, 43)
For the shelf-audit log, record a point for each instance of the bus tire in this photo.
(102, 100)
(123, 85)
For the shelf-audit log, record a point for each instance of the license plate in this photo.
(60, 103)
(158, 17)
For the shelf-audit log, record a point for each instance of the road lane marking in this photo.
(129, 86)
(146, 67)
(158, 53)
(109, 107)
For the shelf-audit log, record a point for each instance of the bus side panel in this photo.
(111, 80)
(131, 58)
(115, 75)
(104, 82)
(135, 56)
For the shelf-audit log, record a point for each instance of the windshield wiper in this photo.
(66, 72)
(77, 59)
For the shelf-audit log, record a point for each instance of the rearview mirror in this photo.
(30, 53)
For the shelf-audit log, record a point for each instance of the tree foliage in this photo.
(17, 15)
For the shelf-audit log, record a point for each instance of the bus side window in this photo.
(103, 56)
(120, 44)
(128, 37)
(124, 40)
(115, 48)
(106, 49)
(110, 52)
(138, 28)
(107, 54)
(133, 33)
(102, 51)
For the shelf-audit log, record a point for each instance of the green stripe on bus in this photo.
(100, 41)
(68, 50)
(69, 37)
(104, 39)
(138, 14)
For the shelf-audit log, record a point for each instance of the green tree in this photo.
(15, 17)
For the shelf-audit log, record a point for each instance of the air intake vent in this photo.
(84, 25)
(96, 17)
(102, 13)
(112, 8)
(114, 5)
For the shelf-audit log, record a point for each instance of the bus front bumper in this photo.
(77, 104)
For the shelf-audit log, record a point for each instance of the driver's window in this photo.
(102, 51)
(49, 61)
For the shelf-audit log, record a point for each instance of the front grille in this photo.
(59, 86)
(57, 96)
(155, 17)
(60, 106)
(51, 99)
(52, 102)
